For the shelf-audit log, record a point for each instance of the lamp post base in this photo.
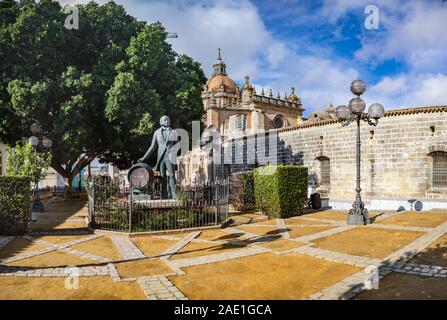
(358, 216)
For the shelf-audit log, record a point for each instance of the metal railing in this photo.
(114, 206)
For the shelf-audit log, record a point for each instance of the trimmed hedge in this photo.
(281, 191)
(14, 205)
(242, 194)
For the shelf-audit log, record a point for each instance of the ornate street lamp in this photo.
(47, 144)
(358, 215)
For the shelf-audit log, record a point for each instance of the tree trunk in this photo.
(60, 168)
(69, 189)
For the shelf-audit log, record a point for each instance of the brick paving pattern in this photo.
(127, 249)
(160, 288)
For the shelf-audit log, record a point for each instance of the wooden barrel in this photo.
(316, 201)
(140, 175)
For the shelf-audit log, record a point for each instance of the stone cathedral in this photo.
(236, 111)
(404, 158)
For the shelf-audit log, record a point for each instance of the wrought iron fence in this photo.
(115, 206)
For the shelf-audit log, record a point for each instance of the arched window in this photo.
(325, 171)
(439, 173)
(278, 122)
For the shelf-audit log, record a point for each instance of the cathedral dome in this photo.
(220, 77)
(217, 80)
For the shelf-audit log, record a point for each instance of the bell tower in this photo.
(219, 67)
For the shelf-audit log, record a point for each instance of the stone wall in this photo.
(395, 155)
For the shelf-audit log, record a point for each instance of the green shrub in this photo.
(14, 205)
(242, 194)
(281, 191)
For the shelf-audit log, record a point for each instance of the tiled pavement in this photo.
(160, 287)
(396, 261)
(283, 228)
(127, 249)
(326, 233)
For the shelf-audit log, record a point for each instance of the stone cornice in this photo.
(390, 113)
(400, 112)
(274, 102)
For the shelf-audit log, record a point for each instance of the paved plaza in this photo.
(314, 256)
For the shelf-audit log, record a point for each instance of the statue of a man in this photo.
(165, 139)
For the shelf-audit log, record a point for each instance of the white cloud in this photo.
(412, 32)
(318, 80)
(416, 36)
(202, 28)
(276, 54)
(333, 10)
(410, 90)
(432, 90)
(391, 86)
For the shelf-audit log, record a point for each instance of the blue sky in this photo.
(316, 46)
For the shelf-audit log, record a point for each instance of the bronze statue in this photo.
(166, 140)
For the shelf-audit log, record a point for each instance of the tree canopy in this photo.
(97, 91)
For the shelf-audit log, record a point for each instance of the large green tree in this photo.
(96, 91)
